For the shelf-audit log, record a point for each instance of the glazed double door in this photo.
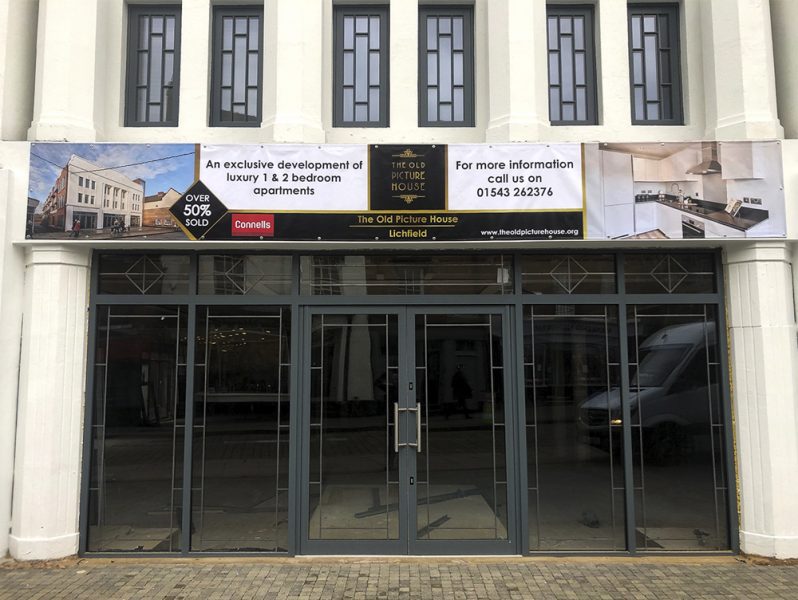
(405, 433)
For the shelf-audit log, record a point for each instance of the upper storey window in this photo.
(153, 65)
(654, 64)
(572, 65)
(360, 70)
(236, 80)
(446, 66)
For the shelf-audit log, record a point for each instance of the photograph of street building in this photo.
(96, 191)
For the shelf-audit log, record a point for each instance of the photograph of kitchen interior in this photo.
(685, 190)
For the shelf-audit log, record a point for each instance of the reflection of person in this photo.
(30, 228)
(76, 228)
(461, 391)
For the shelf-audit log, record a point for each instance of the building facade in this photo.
(631, 388)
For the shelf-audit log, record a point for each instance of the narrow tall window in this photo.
(237, 66)
(360, 97)
(654, 64)
(153, 65)
(446, 66)
(572, 65)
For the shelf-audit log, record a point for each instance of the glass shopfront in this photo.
(407, 404)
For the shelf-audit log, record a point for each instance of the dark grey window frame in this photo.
(134, 12)
(591, 82)
(515, 303)
(219, 13)
(669, 11)
(467, 12)
(349, 10)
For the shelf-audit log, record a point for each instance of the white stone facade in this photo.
(739, 65)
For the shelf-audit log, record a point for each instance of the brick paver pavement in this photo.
(421, 578)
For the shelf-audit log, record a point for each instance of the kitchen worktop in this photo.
(707, 210)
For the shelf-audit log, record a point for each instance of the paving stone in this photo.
(421, 578)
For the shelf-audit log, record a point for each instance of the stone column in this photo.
(764, 352)
(518, 104)
(52, 375)
(292, 109)
(741, 69)
(612, 66)
(784, 16)
(63, 104)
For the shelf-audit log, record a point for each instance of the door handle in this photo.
(396, 411)
(396, 427)
(418, 427)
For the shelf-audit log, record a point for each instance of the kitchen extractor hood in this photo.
(709, 164)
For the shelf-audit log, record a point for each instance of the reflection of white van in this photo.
(670, 394)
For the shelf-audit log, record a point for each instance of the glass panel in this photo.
(374, 104)
(461, 493)
(241, 450)
(432, 105)
(143, 274)
(566, 65)
(581, 104)
(169, 44)
(374, 33)
(445, 86)
(573, 405)
(457, 33)
(239, 70)
(554, 68)
(138, 432)
(670, 273)
(579, 33)
(458, 107)
(227, 33)
(580, 73)
(361, 68)
(432, 69)
(458, 70)
(382, 274)
(254, 23)
(637, 40)
(349, 33)
(682, 497)
(244, 275)
(563, 274)
(252, 70)
(651, 67)
(374, 69)
(349, 68)
(349, 104)
(352, 448)
(554, 104)
(143, 66)
(156, 56)
(432, 33)
(554, 37)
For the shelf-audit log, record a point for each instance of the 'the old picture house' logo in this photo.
(406, 178)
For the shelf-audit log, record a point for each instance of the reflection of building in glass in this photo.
(156, 209)
(94, 195)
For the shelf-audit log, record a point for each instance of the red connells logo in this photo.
(252, 225)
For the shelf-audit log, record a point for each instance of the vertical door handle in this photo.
(418, 427)
(396, 427)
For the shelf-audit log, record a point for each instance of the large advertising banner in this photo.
(405, 192)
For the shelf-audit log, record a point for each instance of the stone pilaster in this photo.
(517, 44)
(46, 502)
(741, 70)
(292, 110)
(764, 353)
(66, 49)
